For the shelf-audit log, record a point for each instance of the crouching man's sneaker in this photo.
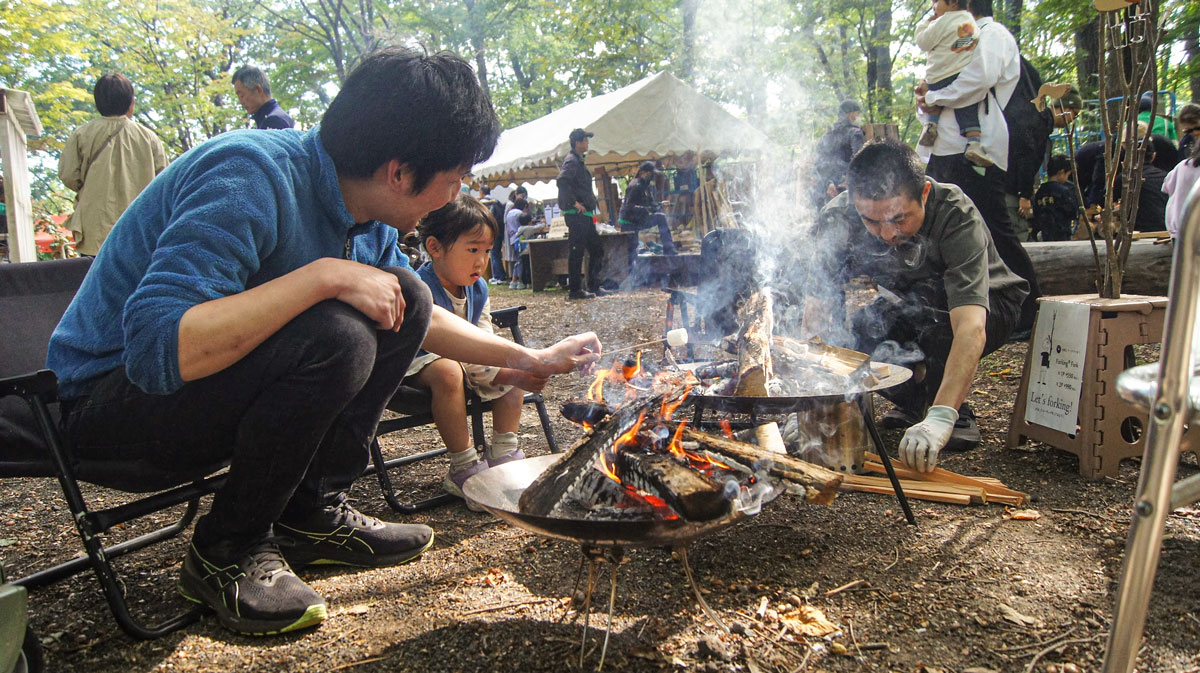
(257, 594)
(339, 534)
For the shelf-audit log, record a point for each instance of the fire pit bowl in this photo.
(499, 488)
(787, 404)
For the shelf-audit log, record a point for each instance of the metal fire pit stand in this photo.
(499, 491)
(786, 405)
(1171, 393)
(593, 556)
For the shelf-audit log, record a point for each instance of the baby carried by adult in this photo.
(948, 38)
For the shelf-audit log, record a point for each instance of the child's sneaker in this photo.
(929, 135)
(454, 481)
(977, 155)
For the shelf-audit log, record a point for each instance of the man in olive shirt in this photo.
(945, 297)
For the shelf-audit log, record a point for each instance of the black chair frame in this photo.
(39, 391)
(420, 416)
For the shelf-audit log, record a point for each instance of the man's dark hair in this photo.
(885, 168)
(1056, 163)
(980, 8)
(113, 94)
(520, 203)
(426, 111)
(251, 77)
(1189, 113)
(456, 219)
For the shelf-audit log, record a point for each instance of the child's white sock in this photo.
(503, 443)
(460, 460)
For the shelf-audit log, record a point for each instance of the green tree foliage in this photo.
(782, 64)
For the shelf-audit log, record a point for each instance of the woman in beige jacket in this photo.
(108, 161)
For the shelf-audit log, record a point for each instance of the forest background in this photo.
(781, 64)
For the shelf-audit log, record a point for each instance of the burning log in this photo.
(687, 491)
(754, 346)
(821, 485)
(551, 489)
(586, 412)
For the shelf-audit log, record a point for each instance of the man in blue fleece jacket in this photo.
(251, 306)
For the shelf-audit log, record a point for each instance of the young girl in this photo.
(458, 238)
(948, 38)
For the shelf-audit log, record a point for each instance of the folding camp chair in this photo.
(33, 297)
(727, 277)
(1170, 390)
(414, 406)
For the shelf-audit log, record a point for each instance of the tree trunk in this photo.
(879, 66)
(687, 65)
(1191, 47)
(1087, 57)
(1068, 267)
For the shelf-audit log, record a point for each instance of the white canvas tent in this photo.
(657, 117)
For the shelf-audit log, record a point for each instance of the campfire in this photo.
(640, 462)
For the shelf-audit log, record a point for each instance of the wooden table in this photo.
(548, 259)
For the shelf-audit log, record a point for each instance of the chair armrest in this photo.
(507, 318)
(43, 383)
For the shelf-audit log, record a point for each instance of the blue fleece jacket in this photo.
(231, 214)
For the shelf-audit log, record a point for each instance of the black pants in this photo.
(917, 331)
(987, 193)
(295, 416)
(966, 117)
(582, 237)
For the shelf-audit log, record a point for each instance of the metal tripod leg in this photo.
(887, 461)
(687, 570)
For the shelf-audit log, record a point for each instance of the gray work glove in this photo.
(921, 443)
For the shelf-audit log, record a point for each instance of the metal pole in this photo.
(1168, 415)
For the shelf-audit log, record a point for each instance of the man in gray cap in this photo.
(834, 151)
(578, 203)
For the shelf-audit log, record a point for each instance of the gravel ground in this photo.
(966, 590)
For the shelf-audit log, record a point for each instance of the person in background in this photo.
(834, 151)
(496, 257)
(641, 209)
(1162, 126)
(992, 75)
(1178, 184)
(1056, 205)
(512, 223)
(254, 93)
(1023, 170)
(108, 162)
(948, 38)
(1189, 130)
(578, 202)
(458, 237)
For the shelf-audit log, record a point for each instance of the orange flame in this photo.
(633, 372)
(595, 391)
(668, 408)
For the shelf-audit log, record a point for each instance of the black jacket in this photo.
(1055, 208)
(271, 116)
(639, 202)
(575, 184)
(835, 149)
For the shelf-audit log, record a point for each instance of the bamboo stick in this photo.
(911, 493)
(940, 475)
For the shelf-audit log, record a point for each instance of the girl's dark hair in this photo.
(426, 111)
(113, 95)
(455, 219)
(524, 219)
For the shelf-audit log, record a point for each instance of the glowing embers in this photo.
(646, 470)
